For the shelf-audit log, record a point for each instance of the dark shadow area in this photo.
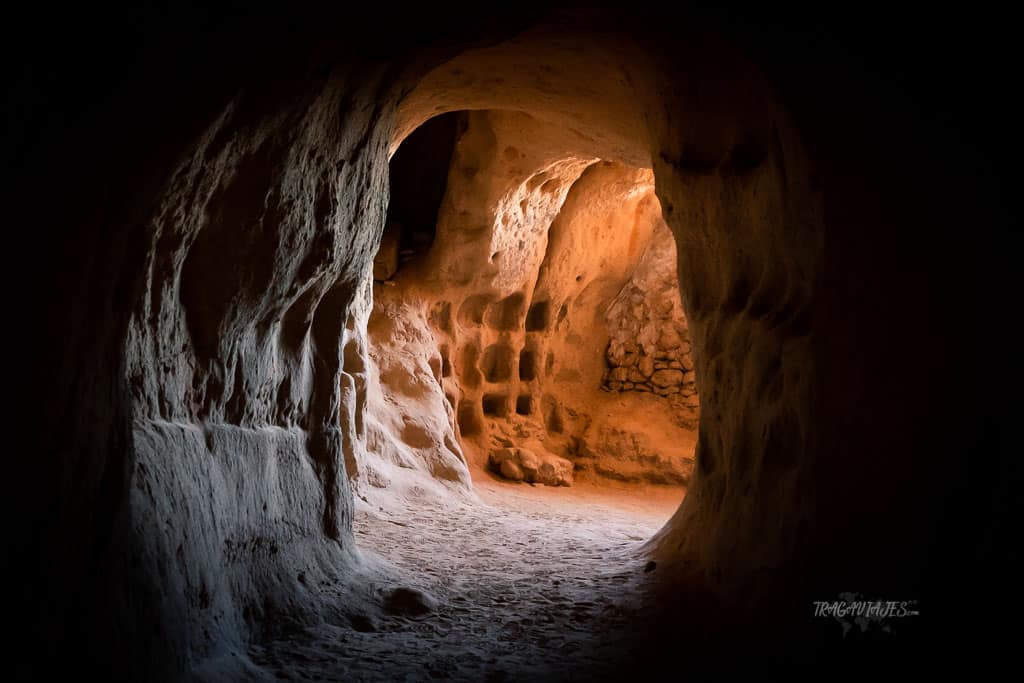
(419, 176)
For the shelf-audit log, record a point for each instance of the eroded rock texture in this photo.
(515, 304)
(519, 464)
(203, 381)
(650, 348)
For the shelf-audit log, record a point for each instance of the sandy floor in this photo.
(530, 583)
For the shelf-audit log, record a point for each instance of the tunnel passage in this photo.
(240, 390)
(551, 206)
(570, 235)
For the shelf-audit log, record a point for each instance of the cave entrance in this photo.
(527, 326)
(530, 395)
(418, 173)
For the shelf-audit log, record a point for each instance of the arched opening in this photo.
(417, 175)
(577, 284)
(565, 424)
(593, 273)
(525, 228)
(250, 408)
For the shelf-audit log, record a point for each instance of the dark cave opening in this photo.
(418, 178)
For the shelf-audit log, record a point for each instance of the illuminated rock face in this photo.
(514, 305)
(650, 350)
(208, 361)
(519, 464)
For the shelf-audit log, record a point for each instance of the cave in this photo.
(416, 179)
(339, 330)
(619, 400)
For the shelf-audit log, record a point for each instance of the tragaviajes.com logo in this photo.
(853, 609)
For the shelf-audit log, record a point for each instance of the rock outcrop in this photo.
(649, 350)
(520, 464)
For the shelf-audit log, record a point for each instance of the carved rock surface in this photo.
(201, 224)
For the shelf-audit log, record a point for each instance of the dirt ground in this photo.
(519, 582)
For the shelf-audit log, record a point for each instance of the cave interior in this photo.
(545, 342)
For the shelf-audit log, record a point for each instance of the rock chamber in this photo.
(283, 265)
(527, 316)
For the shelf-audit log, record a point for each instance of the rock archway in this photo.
(733, 185)
(199, 385)
(552, 276)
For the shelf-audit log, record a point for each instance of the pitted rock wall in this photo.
(649, 348)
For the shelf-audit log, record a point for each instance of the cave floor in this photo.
(531, 583)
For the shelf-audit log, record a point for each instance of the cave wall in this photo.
(410, 417)
(470, 291)
(535, 239)
(191, 371)
(649, 350)
(597, 244)
(238, 503)
(187, 381)
(750, 272)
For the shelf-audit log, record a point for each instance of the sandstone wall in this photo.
(649, 350)
(200, 223)
(535, 239)
(200, 412)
